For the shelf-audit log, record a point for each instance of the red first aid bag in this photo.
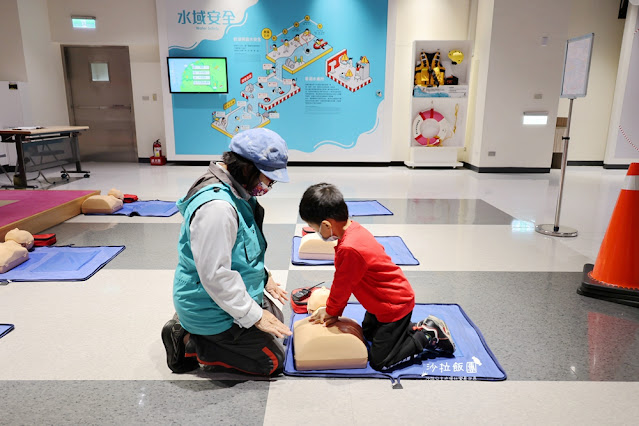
(129, 198)
(42, 240)
(299, 304)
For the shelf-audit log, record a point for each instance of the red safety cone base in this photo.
(590, 287)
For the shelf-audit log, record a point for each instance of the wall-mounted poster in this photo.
(314, 71)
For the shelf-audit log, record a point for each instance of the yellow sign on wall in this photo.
(229, 104)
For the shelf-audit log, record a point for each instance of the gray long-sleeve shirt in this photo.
(213, 233)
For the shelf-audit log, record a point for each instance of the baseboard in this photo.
(298, 163)
(8, 168)
(346, 164)
(147, 160)
(585, 163)
(507, 169)
(616, 166)
(470, 166)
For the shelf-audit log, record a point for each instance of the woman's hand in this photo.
(275, 290)
(320, 316)
(270, 324)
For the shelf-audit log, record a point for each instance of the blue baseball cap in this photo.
(266, 149)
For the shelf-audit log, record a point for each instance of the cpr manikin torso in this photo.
(106, 204)
(313, 247)
(12, 254)
(328, 348)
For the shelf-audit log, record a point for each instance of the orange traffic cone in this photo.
(615, 275)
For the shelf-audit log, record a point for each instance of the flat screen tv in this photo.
(197, 75)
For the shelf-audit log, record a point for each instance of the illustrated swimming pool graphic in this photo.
(340, 69)
(288, 56)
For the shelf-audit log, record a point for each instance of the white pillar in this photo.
(624, 127)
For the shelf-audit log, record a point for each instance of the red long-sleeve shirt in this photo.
(363, 268)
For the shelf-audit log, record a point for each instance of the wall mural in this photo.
(313, 71)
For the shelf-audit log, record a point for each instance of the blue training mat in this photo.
(473, 358)
(367, 208)
(394, 246)
(65, 263)
(5, 329)
(154, 208)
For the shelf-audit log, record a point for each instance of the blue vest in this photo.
(198, 313)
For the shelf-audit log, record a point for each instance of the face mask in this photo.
(329, 239)
(260, 189)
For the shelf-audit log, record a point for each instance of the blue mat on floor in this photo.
(146, 208)
(394, 246)
(5, 329)
(473, 358)
(66, 263)
(367, 208)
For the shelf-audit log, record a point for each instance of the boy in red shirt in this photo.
(363, 268)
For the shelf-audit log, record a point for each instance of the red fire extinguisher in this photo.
(157, 148)
(157, 159)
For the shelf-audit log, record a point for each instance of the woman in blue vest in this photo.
(223, 318)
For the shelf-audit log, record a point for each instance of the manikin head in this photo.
(317, 299)
(24, 238)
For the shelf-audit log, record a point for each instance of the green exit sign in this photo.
(83, 22)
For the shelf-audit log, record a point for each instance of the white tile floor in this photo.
(108, 328)
(480, 248)
(450, 403)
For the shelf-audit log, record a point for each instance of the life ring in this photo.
(430, 127)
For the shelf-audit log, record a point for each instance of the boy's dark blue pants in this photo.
(391, 342)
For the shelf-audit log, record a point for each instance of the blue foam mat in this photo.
(5, 329)
(394, 246)
(67, 263)
(473, 358)
(367, 208)
(153, 208)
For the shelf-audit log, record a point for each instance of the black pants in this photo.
(391, 342)
(249, 350)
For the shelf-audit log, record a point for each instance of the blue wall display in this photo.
(313, 71)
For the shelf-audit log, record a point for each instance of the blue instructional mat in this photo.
(473, 358)
(367, 208)
(394, 246)
(66, 263)
(146, 208)
(5, 329)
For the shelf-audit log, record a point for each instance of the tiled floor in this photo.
(90, 352)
